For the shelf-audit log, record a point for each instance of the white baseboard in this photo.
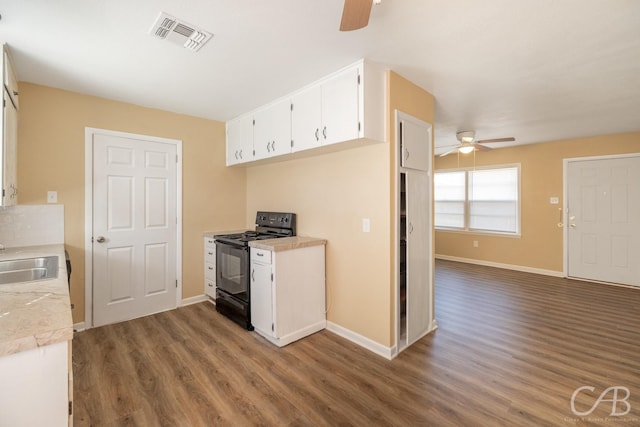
(362, 341)
(194, 300)
(522, 268)
(78, 327)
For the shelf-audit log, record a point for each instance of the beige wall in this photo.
(540, 245)
(330, 194)
(404, 96)
(51, 157)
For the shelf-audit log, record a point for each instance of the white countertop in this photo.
(38, 313)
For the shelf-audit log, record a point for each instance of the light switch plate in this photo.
(554, 200)
(52, 197)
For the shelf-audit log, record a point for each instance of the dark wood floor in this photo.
(510, 350)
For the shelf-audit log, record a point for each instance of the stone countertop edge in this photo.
(35, 314)
(287, 243)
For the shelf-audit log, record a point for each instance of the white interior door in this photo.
(603, 219)
(134, 227)
(418, 256)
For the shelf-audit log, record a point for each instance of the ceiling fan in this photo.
(355, 14)
(469, 144)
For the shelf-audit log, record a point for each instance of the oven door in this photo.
(232, 270)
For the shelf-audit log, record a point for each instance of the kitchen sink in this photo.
(28, 269)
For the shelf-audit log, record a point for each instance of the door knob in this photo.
(101, 239)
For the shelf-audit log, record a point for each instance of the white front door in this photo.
(134, 227)
(603, 219)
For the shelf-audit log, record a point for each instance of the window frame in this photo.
(467, 202)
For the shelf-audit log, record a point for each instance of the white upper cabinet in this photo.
(345, 106)
(240, 140)
(415, 143)
(340, 119)
(326, 113)
(306, 119)
(272, 130)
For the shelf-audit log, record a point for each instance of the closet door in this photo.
(418, 256)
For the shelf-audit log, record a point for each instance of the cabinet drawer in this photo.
(210, 271)
(261, 255)
(210, 288)
(210, 256)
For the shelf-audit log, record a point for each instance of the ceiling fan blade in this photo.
(488, 141)
(480, 147)
(448, 152)
(355, 14)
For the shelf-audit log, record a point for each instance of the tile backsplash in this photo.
(28, 225)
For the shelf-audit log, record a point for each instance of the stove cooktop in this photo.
(269, 225)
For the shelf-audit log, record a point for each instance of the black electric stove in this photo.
(233, 264)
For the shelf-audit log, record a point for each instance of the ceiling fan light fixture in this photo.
(466, 149)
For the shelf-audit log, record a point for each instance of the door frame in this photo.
(565, 193)
(89, 132)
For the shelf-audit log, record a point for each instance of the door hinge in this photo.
(292, 143)
(176, 283)
(358, 78)
(358, 126)
(272, 277)
(254, 122)
(272, 328)
(70, 408)
(292, 106)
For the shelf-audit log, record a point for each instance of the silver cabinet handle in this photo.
(572, 226)
(253, 275)
(101, 239)
(406, 154)
(410, 228)
(273, 146)
(317, 137)
(324, 132)
(210, 268)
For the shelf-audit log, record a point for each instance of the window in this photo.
(485, 200)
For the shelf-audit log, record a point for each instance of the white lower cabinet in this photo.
(288, 299)
(210, 267)
(34, 387)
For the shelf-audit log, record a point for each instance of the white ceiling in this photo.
(536, 70)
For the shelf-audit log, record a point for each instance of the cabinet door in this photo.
(240, 140)
(261, 298)
(415, 143)
(10, 80)
(418, 256)
(306, 119)
(10, 152)
(272, 130)
(340, 107)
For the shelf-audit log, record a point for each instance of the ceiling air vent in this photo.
(179, 32)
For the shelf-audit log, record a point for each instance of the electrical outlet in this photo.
(366, 225)
(554, 200)
(475, 244)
